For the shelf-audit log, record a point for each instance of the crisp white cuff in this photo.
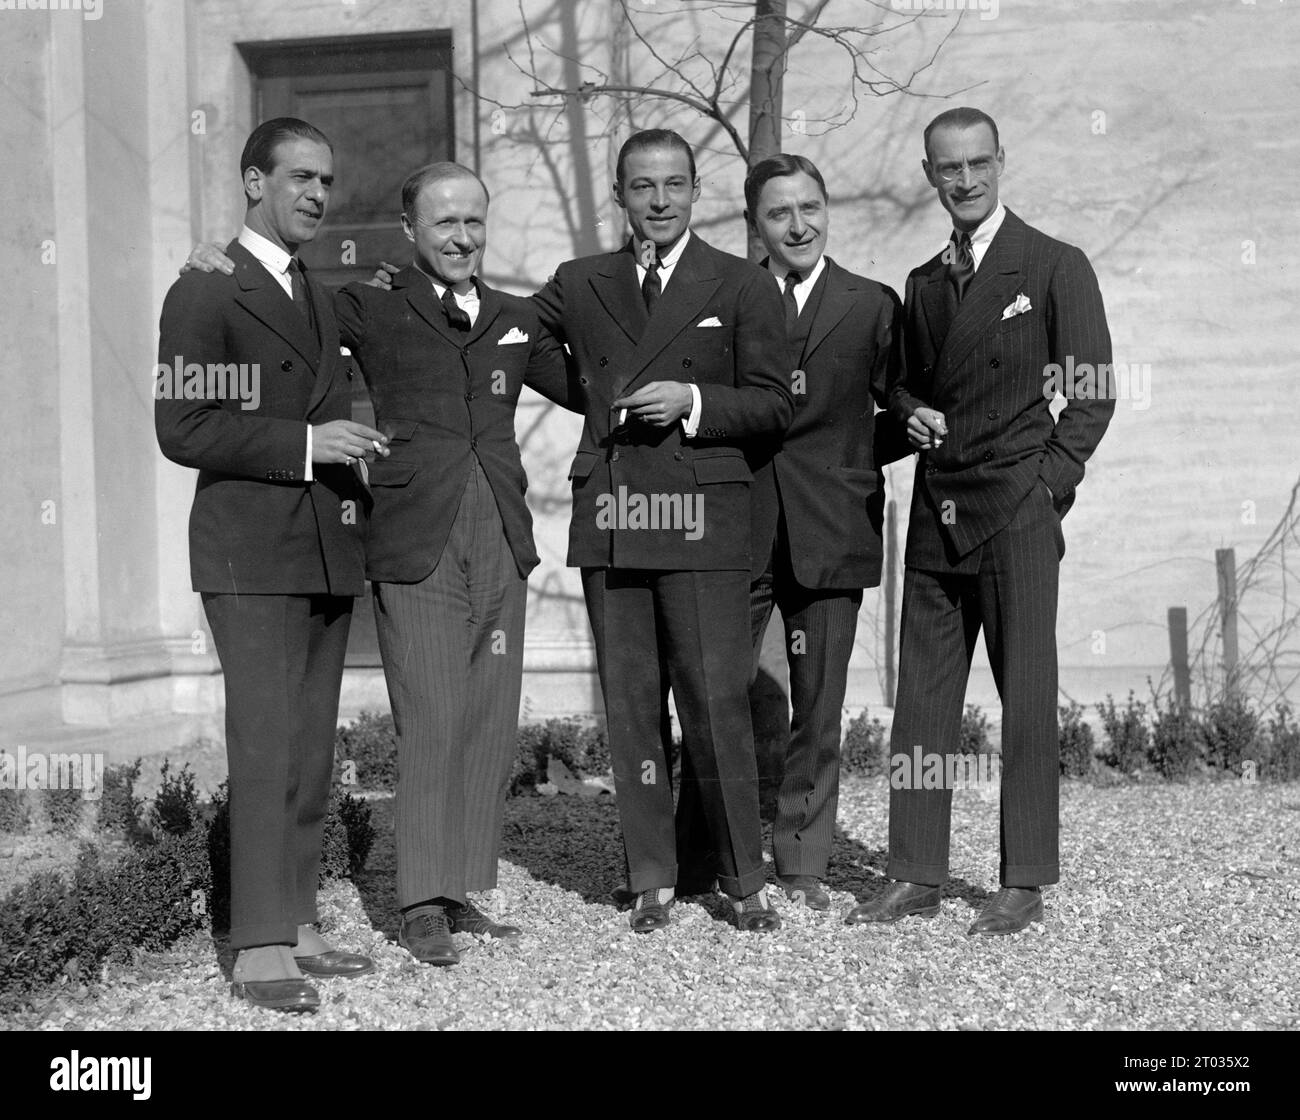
(306, 474)
(691, 423)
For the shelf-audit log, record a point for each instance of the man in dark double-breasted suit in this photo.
(992, 324)
(450, 544)
(680, 360)
(817, 507)
(251, 391)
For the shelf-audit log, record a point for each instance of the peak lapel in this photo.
(617, 289)
(999, 276)
(489, 307)
(684, 297)
(262, 297)
(328, 327)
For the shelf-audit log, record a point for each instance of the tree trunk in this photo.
(767, 76)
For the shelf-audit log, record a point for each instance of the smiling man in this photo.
(681, 362)
(817, 505)
(276, 536)
(985, 319)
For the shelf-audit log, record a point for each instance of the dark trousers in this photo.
(1012, 597)
(282, 657)
(453, 653)
(694, 625)
(819, 629)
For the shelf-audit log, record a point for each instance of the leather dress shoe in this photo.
(426, 935)
(470, 919)
(806, 890)
(899, 901)
(277, 995)
(650, 913)
(754, 914)
(335, 963)
(1009, 911)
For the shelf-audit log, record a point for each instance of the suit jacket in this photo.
(743, 374)
(443, 397)
(988, 375)
(824, 472)
(256, 527)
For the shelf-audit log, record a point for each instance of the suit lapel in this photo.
(424, 302)
(262, 297)
(489, 307)
(693, 282)
(996, 281)
(617, 289)
(836, 302)
(328, 328)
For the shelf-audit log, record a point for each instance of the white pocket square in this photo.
(513, 335)
(711, 321)
(1019, 306)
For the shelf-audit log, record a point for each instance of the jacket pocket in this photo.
(584, 462)
(398, 430)
(391, 472)
(721, 468)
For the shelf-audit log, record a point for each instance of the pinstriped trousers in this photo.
(1012, 597)
(452, 648)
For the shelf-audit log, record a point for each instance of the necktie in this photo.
(456, 315)
(301, 297)
(962, 269)
(651, 286)
(792, 280)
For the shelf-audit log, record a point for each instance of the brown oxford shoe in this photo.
(277, 995)
(901, 900)
(470, 919)
(426, 935)
(1010, 911)
(335, 963)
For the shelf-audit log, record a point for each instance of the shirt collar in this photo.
(275, 258)
(439, 288)
(984, 233)
(780, 271)
(670, 258)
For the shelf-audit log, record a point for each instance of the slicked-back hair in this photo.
(776, 167)
(653, 138)
(421, 177)
(961, 117)
(259, 148)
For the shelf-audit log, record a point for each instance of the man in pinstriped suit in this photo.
(986, 321)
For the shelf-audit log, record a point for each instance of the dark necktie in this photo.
(962, 269)
(456, 315)
(301, 297)
(792, 280)
(652, 287)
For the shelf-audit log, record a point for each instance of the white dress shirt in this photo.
(667, 263)
(803, 289)
(984, 233)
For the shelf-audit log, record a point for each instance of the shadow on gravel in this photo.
(573, 842)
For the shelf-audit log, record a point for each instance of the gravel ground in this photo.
(1178, 911)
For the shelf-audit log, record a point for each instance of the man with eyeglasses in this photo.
(985, 320)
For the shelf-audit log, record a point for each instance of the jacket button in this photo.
(473, 444)
(286, 365)
(994, 363)
(614, 457)
(469, 396)
(686, 363)
(678, 456)
(465, 352)
(349, 373)
(993, 413)
(988, 456)
(926, 369)
(604, 361)
(930, 468)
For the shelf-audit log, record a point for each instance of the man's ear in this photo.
(695, 190)
(618, 194)
(408, 229)
(253, 183)
(929, 172)
(749, 221)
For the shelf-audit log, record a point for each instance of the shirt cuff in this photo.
(691, 423)
(306, 472)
